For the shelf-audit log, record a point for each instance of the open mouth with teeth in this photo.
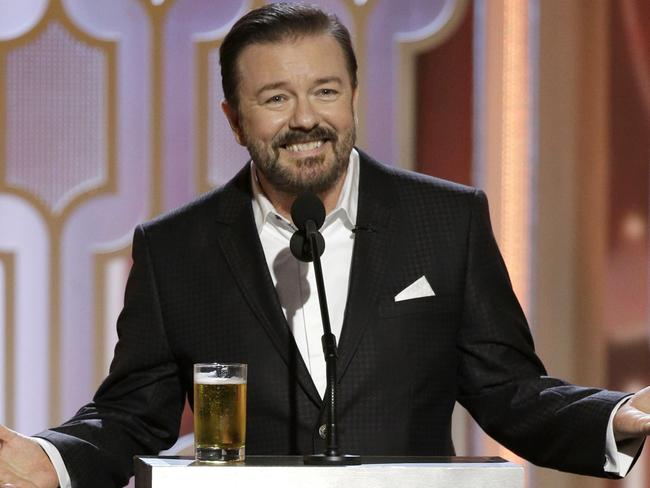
(304, 146)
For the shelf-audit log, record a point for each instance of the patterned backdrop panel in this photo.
(56, 117)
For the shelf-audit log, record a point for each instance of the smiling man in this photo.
(421, 303)
(294, 109)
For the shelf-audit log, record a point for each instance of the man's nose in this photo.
(305, 116)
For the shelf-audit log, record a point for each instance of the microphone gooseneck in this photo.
(307, 244)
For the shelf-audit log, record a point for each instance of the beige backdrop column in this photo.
(572, 195)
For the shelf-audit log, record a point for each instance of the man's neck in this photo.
(283, 201)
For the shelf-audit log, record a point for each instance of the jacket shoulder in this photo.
(416, 190)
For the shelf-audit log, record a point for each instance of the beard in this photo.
(296, 176)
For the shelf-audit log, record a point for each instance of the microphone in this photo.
(307, 207)
(308, 214)
(307, 244)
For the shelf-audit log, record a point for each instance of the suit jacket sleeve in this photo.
(137, 408)
(503, 384)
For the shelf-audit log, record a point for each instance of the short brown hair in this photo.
(273, 23)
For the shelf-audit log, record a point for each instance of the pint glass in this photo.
(219, 412)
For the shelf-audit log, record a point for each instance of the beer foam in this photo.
(210, 379)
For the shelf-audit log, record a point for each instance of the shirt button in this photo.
(322, 431)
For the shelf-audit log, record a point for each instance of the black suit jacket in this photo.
(200, 291)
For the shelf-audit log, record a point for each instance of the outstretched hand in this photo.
(23, 464)
(633, 418)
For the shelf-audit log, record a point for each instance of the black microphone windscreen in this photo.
(307, 207)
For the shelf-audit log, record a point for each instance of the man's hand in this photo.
(23, 464)
(633, 418)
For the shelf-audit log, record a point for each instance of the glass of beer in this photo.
(219, 412)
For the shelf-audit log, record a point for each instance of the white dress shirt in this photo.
(295, 284)
(295, 281)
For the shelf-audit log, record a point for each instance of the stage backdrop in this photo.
(109, 115)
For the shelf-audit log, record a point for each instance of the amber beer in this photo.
(219, 412)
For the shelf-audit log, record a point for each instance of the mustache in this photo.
(299, 137)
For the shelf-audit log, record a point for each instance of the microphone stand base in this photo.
(338, 460)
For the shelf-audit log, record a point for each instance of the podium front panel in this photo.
(289, 471)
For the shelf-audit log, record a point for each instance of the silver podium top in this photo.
(289, 472)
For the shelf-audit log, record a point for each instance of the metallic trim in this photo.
(157, 16)
(8, 264)
(202, 51)
(360, 13)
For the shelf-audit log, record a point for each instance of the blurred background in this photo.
(109, 115)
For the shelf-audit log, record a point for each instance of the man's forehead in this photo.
(319, 56)
(290, 40)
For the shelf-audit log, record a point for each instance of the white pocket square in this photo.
(418, 289)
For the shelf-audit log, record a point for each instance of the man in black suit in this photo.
(423, 307)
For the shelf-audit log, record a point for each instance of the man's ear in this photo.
(355, 104)
(233, 119)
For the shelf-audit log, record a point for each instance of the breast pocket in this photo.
(424, 305)
(421, 330)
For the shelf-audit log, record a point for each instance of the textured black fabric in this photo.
(200, 291)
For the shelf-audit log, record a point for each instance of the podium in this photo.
(289, 472)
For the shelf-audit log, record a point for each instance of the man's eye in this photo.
(327, 92)
(275, 99)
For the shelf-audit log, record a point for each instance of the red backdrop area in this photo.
(627, 311)
(445, 106)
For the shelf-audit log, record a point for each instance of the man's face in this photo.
(296, 112)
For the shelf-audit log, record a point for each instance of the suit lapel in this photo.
(239, 241)
(371, 256)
